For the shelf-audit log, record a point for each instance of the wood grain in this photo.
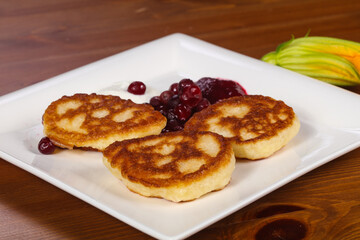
(40, 39)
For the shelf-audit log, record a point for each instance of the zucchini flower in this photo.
(331, 60)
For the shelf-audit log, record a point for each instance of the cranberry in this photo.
(174, 88)
(191, 95)
(45, 146)
(166, 96)
(163, 109)
(182, 112)
(174, 125)
(155, 102)
(174, 101)
(185, 83)
(171, 114)
(204, 103)
(137, 88)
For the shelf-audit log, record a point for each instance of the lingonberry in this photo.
(174, 101)
(45, 146)
(182, 112)
(184, 83)
(191, 95)
(155, 101)
(174, 88)
(137, 88)
(165, 96)
(204, 103)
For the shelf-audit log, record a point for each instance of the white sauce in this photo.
(120, 89)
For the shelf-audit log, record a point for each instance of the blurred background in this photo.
(40, 39)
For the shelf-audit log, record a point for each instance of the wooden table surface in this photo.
(40, 39)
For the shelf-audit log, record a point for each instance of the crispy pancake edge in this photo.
(66, 139)
(291, 126)
(174, 189)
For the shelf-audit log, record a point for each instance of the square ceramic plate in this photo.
(329, 128)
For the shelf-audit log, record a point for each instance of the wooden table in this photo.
(40, 39)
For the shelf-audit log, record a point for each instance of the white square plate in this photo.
(329, 128)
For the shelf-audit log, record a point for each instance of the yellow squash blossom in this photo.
(331, 60)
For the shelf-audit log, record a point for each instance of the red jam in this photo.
(215, 89)
(186, 97)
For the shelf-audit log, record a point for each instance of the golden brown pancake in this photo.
(95, 121)
(257, 126)
(176, 166)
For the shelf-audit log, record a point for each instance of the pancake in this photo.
(257, 126)
(95, 121)
(177, 166)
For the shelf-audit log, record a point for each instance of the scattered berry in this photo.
(45, 146)
(137, 88)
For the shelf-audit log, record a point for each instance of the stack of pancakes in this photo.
(178, 166)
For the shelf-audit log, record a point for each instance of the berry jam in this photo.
(45, 146)
(183, 99)
(137, 88)
(215, 89)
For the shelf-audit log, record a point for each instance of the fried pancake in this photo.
(95, 121)
(257, 126)
(176, 166)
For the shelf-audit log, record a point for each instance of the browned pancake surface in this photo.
(170, 159)
(246, 121)
(95, 121)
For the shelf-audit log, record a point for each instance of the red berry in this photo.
(191, 96)
(174, 125)
(182, 112)
(155, 101)
(185, 83)
(45, 146)
(174, 88)
(163, 109)
(171, 114)
(137, 88)
(204, 103)
(174, 101)
(166, 96)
